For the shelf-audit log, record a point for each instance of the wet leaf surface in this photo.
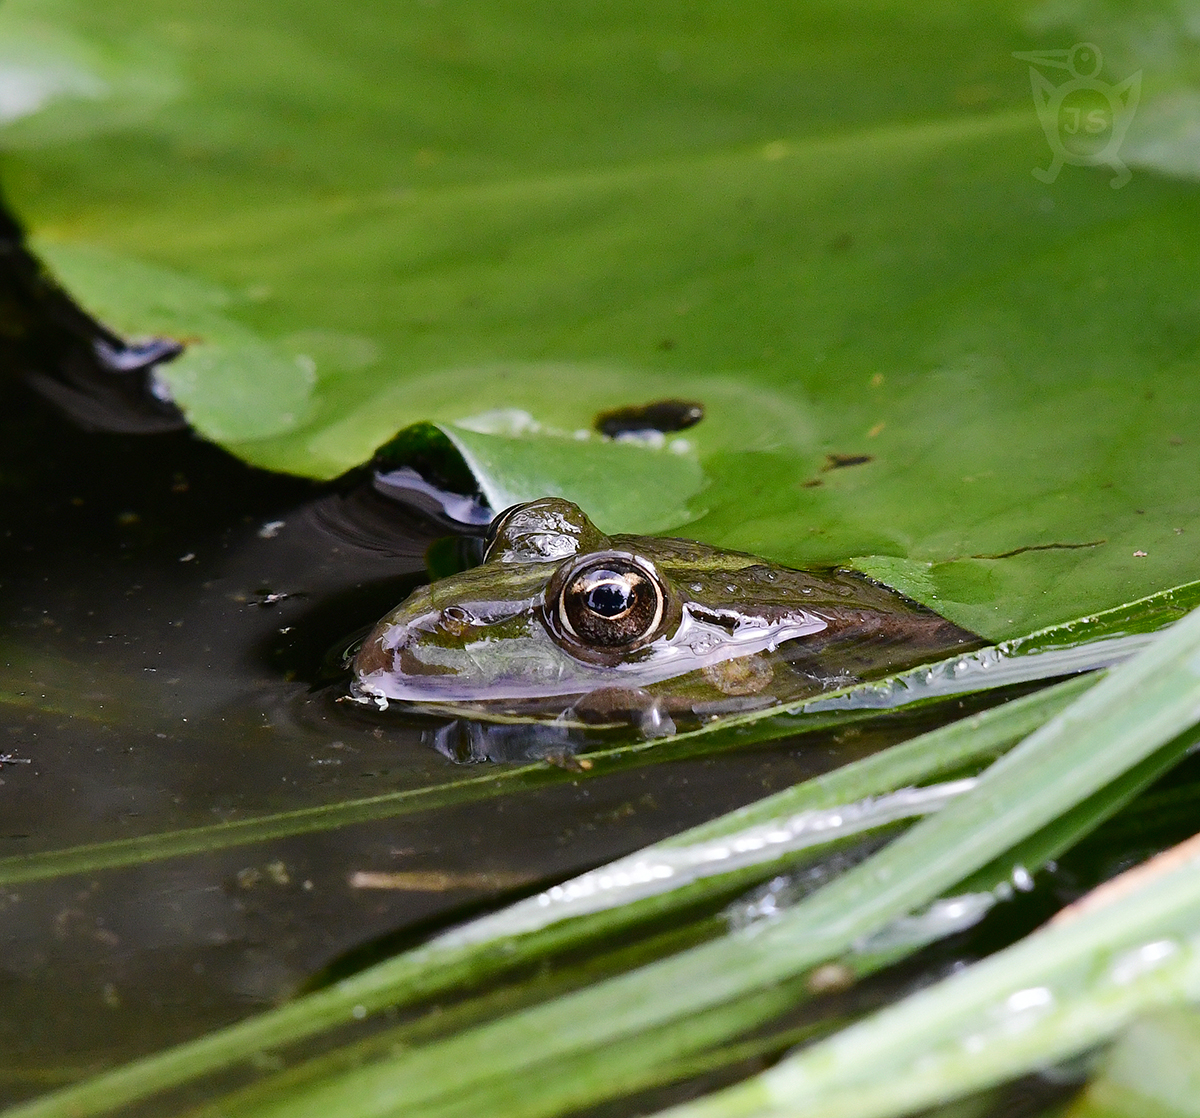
(513, 222)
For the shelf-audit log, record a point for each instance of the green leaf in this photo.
(233, 383)
(592, 472)
(827, 234)
(61, 81)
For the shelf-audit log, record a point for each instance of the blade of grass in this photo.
(1152, 1071)
(1116, 725)
(92, 857)
(541, 984)
(441, 966)
(1058, 992)
(967, 742)
(655, 1057)
(657, 1053)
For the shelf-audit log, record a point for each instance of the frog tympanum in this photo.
(563, 622)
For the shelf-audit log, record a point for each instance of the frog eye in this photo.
(612, 601)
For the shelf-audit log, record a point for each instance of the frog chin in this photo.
(536, 667)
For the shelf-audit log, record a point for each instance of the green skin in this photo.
(736, 633)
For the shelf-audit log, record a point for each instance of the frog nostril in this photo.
(456, 621)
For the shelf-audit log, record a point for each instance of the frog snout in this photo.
(372, 656)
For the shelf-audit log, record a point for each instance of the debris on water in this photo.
(273, 873)
(268, 598)
(568, 762)
(435, 881)
(270, 530)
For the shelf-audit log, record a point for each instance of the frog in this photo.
(562, 622)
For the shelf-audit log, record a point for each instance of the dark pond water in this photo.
(164, 612)
(151, 681)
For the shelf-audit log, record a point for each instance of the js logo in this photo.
(1085, 120)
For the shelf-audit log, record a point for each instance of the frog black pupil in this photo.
(610, 596)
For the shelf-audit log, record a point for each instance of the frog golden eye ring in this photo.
(610, 601)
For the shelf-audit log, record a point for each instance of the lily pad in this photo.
(909, 348)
